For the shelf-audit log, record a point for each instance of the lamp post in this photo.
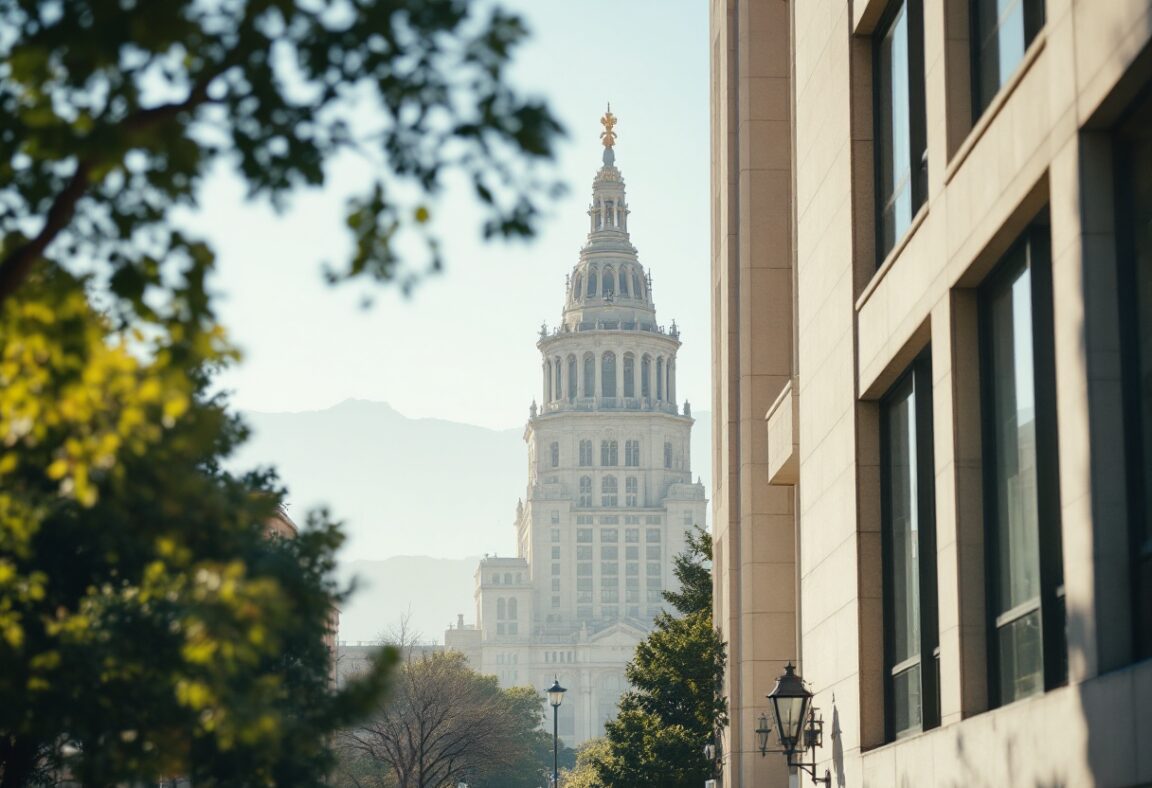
(555, 697)
(796, 724)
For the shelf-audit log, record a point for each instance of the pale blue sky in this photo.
(462, 347)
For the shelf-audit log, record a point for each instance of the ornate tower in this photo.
(610, 494)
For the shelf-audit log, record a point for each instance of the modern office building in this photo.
(610, 492)
(932, 338)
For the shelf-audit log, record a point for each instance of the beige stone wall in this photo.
(855, 325)
(752, 329)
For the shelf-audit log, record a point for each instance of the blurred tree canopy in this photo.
(676, 705)
(148, 625)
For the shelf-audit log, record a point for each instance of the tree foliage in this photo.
(111, 113)
(147, 626)
(443, 724)
(675, 705)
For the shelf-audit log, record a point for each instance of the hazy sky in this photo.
(462, 347)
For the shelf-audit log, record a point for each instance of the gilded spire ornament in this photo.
(608, 136)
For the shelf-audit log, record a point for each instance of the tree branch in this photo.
(16, 266)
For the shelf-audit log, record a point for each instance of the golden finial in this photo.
(608, 136)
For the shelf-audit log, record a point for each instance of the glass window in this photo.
(554, 451)
(555, 520)
(609, 535)
(631, 569)
(645, 374)
(908, 512)
(583, 570)
(629, 375)
(584, 583)
(901, 148)
(584, 552)
(583, 534)
(660, 378)
(609, 552)
(632, 553)
(558, 389)
(608, 491)
(583, 612)
(1134, 160)
(652, 535)
(653, 569)
(555, 585)
(608, 374)
(1021, 486)
(1002, 31)
(585, 498)
(609, 595)
(652, 552)
(555, 602)
(555, 553)
(555, 569)
(654, 595)
(631, 594)
(631, 491)
(571, 377)
(589, 388)
(609, 568)
(609, 453)
(631, 534)
(667, 455)
(632, 454)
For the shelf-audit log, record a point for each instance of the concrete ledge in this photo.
(784, 438)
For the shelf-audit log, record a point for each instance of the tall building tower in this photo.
(610, 492)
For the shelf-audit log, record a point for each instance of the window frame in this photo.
(917, 120)
(919, 375)
(1032, 251)
(1035, 17)
(1136, 449)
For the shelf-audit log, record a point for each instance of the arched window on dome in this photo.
(589, 388)
(512, 609)
(608, 282)
(646, 376)
(501, 609)
(608, 374)
(558, 389)
(585, 498)
(660, 378)
(576, 284)
(609, 491)
(591, 283)
(571, 377)
(636, 285)
(667, 454)
(554, 451)
(631, 491)
(609, 213)
(624, 282)
(548, 381)
(672, 381)
(629, 375)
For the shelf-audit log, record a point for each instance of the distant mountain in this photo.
(403, 486)
(430, 592)
(436, 489)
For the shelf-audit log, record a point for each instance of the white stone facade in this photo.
(610, 492)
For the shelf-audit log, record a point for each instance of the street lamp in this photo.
(797, 727)
(555, 697)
